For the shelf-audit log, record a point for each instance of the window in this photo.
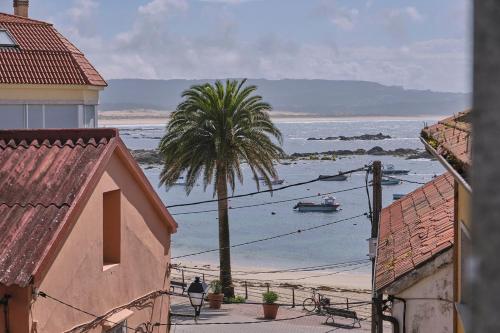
(61, 116)
(119, 328)
(6, 39)
(35, 116)
(111, 227)
(89, 116)
(12, 116)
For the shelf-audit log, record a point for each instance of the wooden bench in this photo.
(344, 313)
(178, 284)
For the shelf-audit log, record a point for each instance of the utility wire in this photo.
(271, 202)
(45, 295)
(272, 237)
(296, 269)
(408, 181)
(242, 322)
(239, 278)
(268, 190)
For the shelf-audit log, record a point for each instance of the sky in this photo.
(420, 44)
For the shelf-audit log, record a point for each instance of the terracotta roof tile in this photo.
(414, 229)
(41, 173)
(43, 56)
(451, 137)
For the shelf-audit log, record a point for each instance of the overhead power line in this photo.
(298, 231)
(273, 202)
(268, 190)
(285, 270)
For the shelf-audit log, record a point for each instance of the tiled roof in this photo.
(415, 229)
(43, 56)
(43, 174)
(452, 139)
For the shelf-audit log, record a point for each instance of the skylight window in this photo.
(6, 39)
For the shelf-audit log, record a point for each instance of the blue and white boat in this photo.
(329, 204)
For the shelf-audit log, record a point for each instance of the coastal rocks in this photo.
(378, 136)
(145, 156)
(409, 153)
(152, 157)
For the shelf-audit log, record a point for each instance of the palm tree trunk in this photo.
(224, 243)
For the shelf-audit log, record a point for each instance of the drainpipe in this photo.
(391, 298)
(391, 319)
(5, 302)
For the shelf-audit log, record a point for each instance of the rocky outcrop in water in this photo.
(144, 156)
(378, 136)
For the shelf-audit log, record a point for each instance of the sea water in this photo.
(340, 242)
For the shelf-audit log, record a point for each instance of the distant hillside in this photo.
(320, 97)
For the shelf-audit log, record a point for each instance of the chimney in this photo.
(21, 7)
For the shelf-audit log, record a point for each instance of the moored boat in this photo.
(397, 196)
(329, 204)
(332, 178)
(390, 181)
(391, 170)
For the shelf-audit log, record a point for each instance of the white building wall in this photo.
(428, 316)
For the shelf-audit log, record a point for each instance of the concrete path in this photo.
(253, 313)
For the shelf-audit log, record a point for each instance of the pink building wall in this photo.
(78, 277)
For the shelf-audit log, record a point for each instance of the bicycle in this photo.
(316, 303)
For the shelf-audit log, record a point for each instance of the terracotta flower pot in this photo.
(215, 300)
(270, 310)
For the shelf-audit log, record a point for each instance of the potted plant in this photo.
(215, 297)
(270, 307)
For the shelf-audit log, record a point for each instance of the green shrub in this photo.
(236, 299)
(269, 297)
(216, 286)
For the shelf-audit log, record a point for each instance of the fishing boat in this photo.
(397, 196)
(329, 204)
(277, 181)
(180, 181)
(333, 178)
(390, 181)
(391, 170)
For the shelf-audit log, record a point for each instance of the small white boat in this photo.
(275, 181)
(332, 178)
(329, 204)
(391, 170)
(390, 181)
(180, 181)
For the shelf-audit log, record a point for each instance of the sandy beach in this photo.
(156, 117)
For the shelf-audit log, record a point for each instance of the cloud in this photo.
(151, 49)
(342, 17)
(398, 22)
(407, 12)
(160, 7)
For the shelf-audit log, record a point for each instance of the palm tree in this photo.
(213, 131)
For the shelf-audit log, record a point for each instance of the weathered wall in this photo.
(463, 223)
(78, 276)
(40, 94)
(426, 316)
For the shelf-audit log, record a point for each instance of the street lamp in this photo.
(196, 293)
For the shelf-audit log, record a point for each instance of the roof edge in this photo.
(423, 270)
(146, 185)
(31, 21)
(73, 213)
(58, 134)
